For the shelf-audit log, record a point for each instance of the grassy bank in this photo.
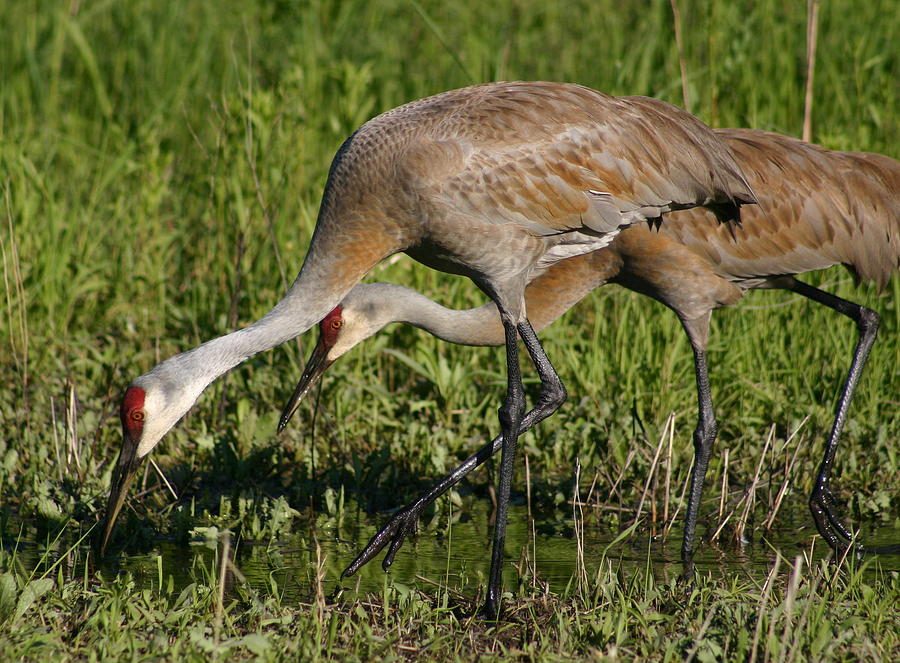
(796, 612)
(162, 164)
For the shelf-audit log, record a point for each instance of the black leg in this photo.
(553, 392)
(403, 523)
(704, 436)
(822, 501)
(510, 417)
(552, 396)
(697, 330)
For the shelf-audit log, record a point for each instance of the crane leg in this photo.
(510, 414)
(403, 523)
(822, 501)
(697, 330)
(704, 437)
(512, 418)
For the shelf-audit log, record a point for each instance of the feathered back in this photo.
(818, 208)
(872, 182)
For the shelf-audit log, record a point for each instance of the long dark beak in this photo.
(316, 366)
(126, 467)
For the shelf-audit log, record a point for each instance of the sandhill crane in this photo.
(817, 208)
(496, 182)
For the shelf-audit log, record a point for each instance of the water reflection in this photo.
(457, 555)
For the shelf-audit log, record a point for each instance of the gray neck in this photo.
(474, 326)
(197, 368)
(306, 302)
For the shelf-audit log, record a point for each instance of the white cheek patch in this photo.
(149, 439)
(340, 348)
(157, 423)
(351, 334)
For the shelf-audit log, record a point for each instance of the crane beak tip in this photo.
(126, 467)
(316, 366)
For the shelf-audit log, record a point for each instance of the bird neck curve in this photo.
(328, 274)
(475, 326)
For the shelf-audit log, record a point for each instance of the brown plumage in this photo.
(817, 208)
(497, 182)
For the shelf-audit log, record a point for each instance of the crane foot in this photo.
(402, 524)
(837, 535)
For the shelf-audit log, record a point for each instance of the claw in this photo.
(396, 542)
(394, 532)
(833, 530)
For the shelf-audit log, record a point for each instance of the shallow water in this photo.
(457, 555)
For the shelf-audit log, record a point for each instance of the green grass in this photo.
(161, 165)
(797, 611)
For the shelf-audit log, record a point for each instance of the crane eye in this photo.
(337, 323)
(138, 415)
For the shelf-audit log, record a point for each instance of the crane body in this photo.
(817, 208)
(497, 182)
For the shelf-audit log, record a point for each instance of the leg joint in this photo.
(868, 320)
(511, 411)
(554, 394)
(705, 434)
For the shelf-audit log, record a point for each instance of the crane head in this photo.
(318, 362)
(152, 404)
(133, 415)
(365, 311)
